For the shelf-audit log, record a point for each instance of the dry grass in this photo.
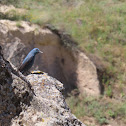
(102, 110)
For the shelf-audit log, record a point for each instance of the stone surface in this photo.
(14, 93)
(19, 107)
(48, 108)
(60, 60)
(4, 9)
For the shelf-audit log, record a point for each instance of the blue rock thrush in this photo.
(29, 60)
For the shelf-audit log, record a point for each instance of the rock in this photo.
(13, 93)
(18, 105)
(61, 58)
(9, 10)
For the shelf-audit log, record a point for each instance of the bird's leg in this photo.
(43, 83)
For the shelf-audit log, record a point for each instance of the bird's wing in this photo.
(25, 63)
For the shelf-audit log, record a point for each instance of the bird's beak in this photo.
(40, 51)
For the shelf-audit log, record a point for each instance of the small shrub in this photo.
(108, 91)
(18, 24)
(9, 2)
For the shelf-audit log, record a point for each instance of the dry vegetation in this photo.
(99, 27)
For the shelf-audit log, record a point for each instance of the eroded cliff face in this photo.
(70, 66)
(19, 106)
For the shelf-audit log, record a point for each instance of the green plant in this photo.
(108, 91)
(9, 2)
(111, 113)
(102, 120)
(121, 111)
(100, 109)
(18, 24)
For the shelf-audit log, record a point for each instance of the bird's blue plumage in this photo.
(29, 60)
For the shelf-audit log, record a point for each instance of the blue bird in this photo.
(29, 60)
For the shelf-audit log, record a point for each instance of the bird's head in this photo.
(36, 50)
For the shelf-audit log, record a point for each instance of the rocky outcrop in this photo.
(61, 59)
(14, 92)
(20, 107)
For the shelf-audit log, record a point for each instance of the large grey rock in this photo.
(48, 108)
(20, 107)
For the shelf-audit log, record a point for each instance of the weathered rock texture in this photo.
(19, 107)
(60, 58)
(13, 93)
